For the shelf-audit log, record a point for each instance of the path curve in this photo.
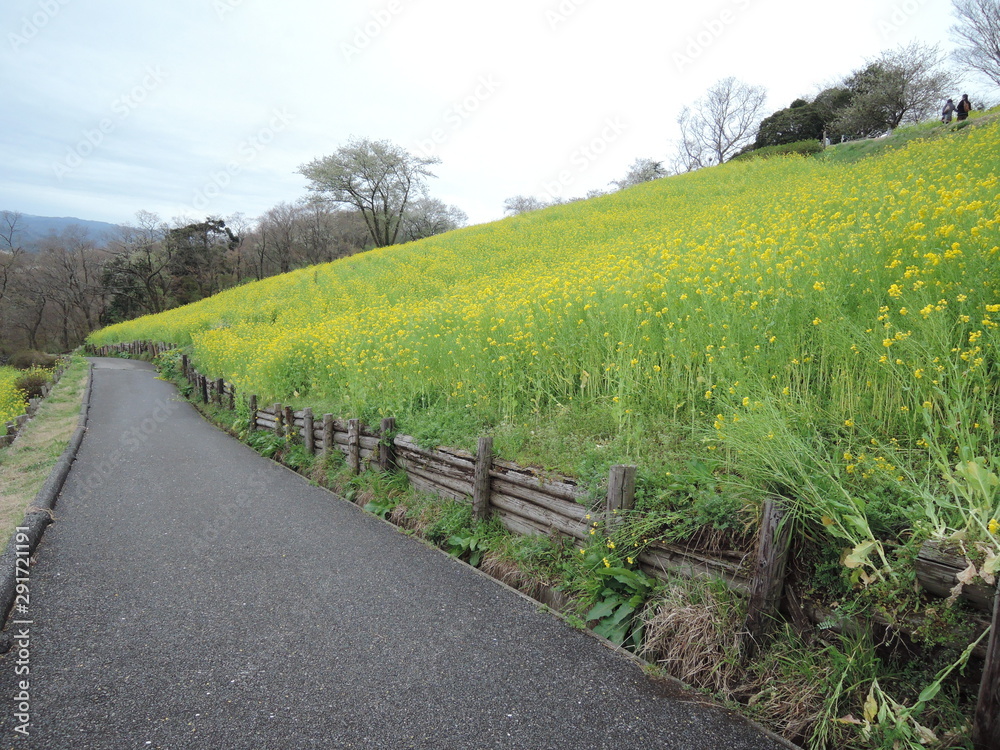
(191, 594)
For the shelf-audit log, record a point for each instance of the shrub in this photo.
(29, 358)
(32, 381)
(805, 148)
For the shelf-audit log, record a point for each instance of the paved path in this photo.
(191, 594)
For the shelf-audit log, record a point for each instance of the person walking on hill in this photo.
(963, 108)
(946, 113)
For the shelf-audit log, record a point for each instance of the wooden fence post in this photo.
(184, 365)
(327, 434)
(307, 428)
(220, 388)
(253, 412)
(769, 576)
(290, 423)
(986, 724)
(204, 388)
(621, 492)
(279, 420)
(386, 449)
(481, 479)
(354, 445)
(232, 397)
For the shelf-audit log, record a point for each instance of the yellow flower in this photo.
(994, 526)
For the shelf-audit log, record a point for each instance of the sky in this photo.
(192, 108)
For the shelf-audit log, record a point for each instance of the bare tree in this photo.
(904, 85)
(520, 204)
(378, 178)
(642, 170)
(428, 216)
(978, 35)
(720, 123)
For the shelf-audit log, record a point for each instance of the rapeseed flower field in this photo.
(827, 331)
(12, 400)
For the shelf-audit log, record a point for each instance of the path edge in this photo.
(27, 536)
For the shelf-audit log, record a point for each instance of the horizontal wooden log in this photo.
(938, 565)
(518, 524)
(406, 443)
(540, 517)
(407, 459)
(425, 485)
(457, 486)
(565, 508)
(555, 485)
(663, 561)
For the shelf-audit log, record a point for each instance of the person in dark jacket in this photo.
(963, 108)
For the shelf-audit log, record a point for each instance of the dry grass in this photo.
(694, 637)
(26, 464)
(693, 633)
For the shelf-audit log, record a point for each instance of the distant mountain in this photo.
(33, 229)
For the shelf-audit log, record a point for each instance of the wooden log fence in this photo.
(528, 501)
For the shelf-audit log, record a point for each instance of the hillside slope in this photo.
(816, 324)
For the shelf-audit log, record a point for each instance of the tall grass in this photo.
(811, 321)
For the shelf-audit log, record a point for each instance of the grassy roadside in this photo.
(26, 464)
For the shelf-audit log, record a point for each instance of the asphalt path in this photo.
(191, 594)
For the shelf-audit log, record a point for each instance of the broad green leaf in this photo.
(603, 609)
(623, 611)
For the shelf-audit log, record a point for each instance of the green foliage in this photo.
(617, 593)
(804, 148)
(471, 544)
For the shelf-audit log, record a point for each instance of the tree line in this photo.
(55, 292)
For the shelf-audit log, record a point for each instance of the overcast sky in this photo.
(190, 108)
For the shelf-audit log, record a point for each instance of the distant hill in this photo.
(33, 229)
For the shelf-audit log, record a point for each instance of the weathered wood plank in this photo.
(387, 453)
(986, 724)
(663, 561)
(354, 445)
(554, 484)
(540, 517)
(570, 510)
(768, 579)
(481, 479)
(424, 485)
(463, 489)
(938, 565)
